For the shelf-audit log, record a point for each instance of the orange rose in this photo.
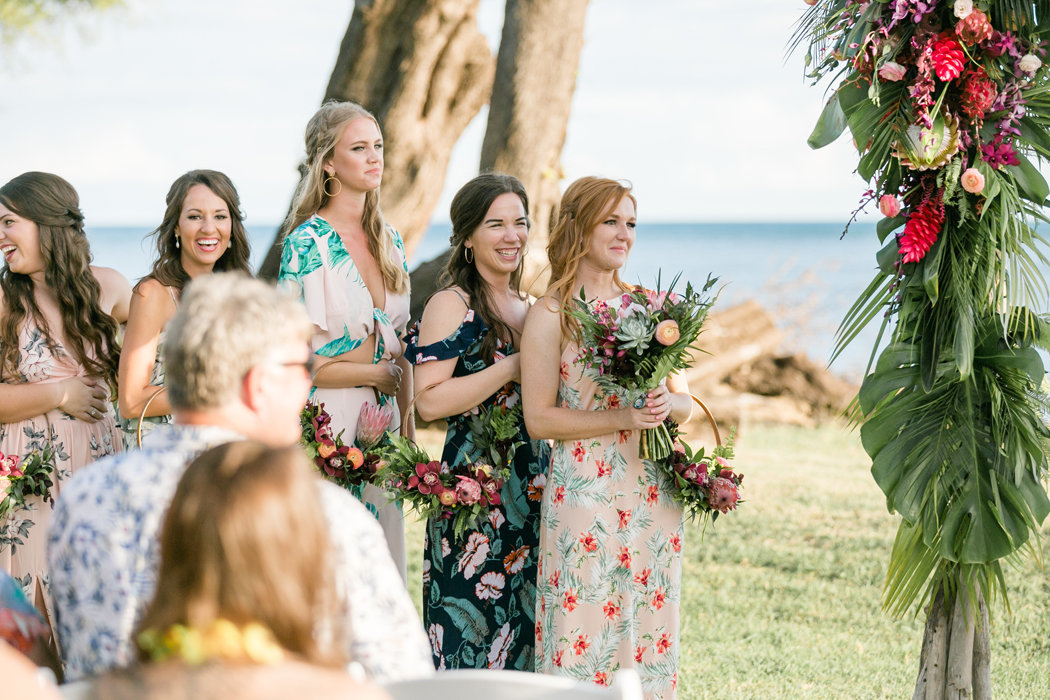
(667, 332)
(326, 449)
(355, 457)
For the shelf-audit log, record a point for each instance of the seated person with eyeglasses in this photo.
(236, 358)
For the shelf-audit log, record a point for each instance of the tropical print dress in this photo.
(316, 265)
(75, 443)
(610, 564)
(479, 591)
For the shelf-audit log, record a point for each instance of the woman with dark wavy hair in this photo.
(202, 232)
(58, 353)
(465, 352)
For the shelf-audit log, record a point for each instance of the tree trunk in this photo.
(958, 685)
(539, 54)
(955, 659)
(424, 69)
(982, 656)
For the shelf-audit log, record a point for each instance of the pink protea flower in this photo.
(372, 424)
(974, 27)
(468, 491)
(667, 332)
(889, 205)
(972, 180)
(722, 495)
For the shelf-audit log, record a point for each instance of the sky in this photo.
(694, 101)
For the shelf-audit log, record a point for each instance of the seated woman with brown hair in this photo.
(245, 592)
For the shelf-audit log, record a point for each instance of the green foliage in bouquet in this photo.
(496, 433)
(629, 347)
(32, 476)
(464, 493)
(947, 103)
(703, 483)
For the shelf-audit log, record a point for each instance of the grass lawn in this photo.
(782, 598)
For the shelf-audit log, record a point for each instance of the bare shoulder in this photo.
(150, 289)
(151, 300)
(110, 280)
(116, 292)
(543, 311)
(443, 314)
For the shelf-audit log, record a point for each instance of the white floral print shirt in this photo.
(103, 554)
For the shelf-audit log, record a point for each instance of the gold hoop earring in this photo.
(468, 255)
(324, 186)
(177, 245)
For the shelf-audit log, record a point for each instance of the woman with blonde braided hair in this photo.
(58, 353)
(349, 268)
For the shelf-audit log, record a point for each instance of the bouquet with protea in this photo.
(704, 484)
(629, 347)
(464, 492)
(346, 465)
(29, 476)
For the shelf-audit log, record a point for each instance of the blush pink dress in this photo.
(23, 534)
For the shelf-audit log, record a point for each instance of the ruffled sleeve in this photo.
(470, 331)
(302, 271)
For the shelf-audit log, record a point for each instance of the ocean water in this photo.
(806, 275)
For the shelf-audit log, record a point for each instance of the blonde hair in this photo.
(584, 205)
(245, 540)
(323, 132)
(226, 324)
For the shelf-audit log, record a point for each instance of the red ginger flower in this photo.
(920, 233)
(978, 93)
(974, 28)
(948, 59)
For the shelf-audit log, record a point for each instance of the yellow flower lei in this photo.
(221, 639)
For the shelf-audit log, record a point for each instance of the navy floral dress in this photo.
(479, 591)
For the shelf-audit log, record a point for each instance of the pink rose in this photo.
(811, 2)
(892, 71)
(889, 206)
(972, 180)
(447, 497)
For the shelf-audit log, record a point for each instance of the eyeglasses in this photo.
(307, 364)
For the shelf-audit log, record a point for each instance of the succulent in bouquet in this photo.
(628, 347)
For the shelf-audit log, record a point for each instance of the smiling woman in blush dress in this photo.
(349, 268)
(202, 232)
(58, 354)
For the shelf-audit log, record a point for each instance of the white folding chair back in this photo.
(77, 690)
(513, 685)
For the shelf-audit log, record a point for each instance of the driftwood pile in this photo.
(744, 377)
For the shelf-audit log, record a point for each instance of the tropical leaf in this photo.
(829, 126)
